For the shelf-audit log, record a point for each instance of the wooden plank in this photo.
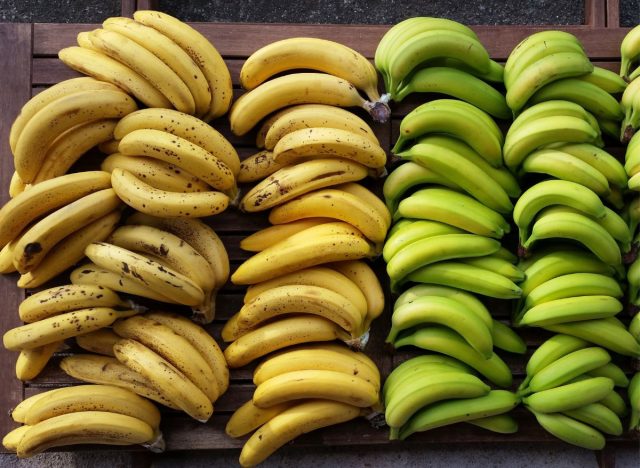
(613, 13)
(127, 7)
(15, 61)
(146, 5)
(595, 13)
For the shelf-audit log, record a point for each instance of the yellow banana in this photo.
(6, 257)
(371, 198)
(109, 147)
(11, 440)
(271, 235)
(257, 167)
(30, 362)
(16, 185)
(245, 419)
(99, 342)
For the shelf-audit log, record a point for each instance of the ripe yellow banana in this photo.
(184, 126)
(172, 383)
(16, 185)
(257, 167)
(371, 198)
(70, 251)
(46, 197)
(245, 419)
(109, 147)
(58, 117)
(30, 362)
(40, 238)
(98, 342)
(6, 257)
(11, 440)
(271, 235)
(298, 179)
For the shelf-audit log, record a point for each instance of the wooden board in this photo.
(32, 66)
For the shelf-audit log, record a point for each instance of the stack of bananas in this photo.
(302, 389)
(634, 401)
(569, 388)
(170, 164)
(424, 54)
(84, 414)
(157, 58)
(161, 356)
(171, 260)
(432, 390)
(45, 229)
(630, 71)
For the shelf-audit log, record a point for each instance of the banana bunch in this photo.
(432, 391)
(302, 389)
(630, 103)
(159, 60)
(84, 414)
(424, 54)
(632, 163)
(633, 277)
(339, 74)
(540, 59)
(322, 302)
(570, 390)
(45, 229)
(630, 54)
(57, 126)
(634, 400)
(176, 261)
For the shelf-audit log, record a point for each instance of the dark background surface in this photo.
(327, 11)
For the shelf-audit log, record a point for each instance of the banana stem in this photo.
(380, 111)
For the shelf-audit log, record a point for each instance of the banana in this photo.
(615, 403)
(613, 372)
(71, 145)
(599, 159)
(543, 131)
(590, 96)
(303, 116)
(452, 117)
(570, 430)
(170, 53)
(184, 126)
(316, 276)
(336, 358)
(109, 147)
(106, 69)
(249, 417)
(416, 231)
(570, 309)
(556, 108)
(41, 100)
(58, 117)
(550, 351)
(453, 411)
(292, 422)
(634, 400)
(458, 84)
(500, 423)
(608, 333)
(177, 350)
(615, 225)
(42, 236)
(266, 237)
(629, 52)
(12, 439)
(467, 175)
(446, 312)
(16, 185)
(610, 127)
(279, 334)
(432, 44)
(545, 70)
(181, 152)
(201, 51)
(456, 209)
(434, 249)
(554, 192)
(314, 54)
(99, 342)
(598, 416)
(634, 326)
(371, 198)
(568, 367)
(467, 277)
(304, 299)
(146, 64)
(445, 341)
(565, 224)
(201, 340)
(506, 339)
(257, 167)
(365, 278)
(494, 75)
(298, 88)
(569, 396)
(32, 204)
(497, 265)
(174, 385)
(308, 251)
(30, 362)
(314, 383)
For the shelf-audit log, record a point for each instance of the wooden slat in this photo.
(613, 13)
(16, 90)
(595, 13)
(127, 7)
(146, 5)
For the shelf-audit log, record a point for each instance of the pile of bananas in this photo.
(432, 390)
(157, 58)
(425, 54)
(569, 388)
(170, 260)
(159, 355)
(630, 71)
(634, 401)
(302, 389)
(84, 414)
(45, 229)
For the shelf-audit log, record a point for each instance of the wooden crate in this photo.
(29, 64)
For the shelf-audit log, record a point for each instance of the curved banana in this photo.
(298, 88)
(249, 417)
(571, 309)
(365, 278)
(98, 342)
(371, 198)
(170, 53)
(30, 362)
(629, 52)
(500, 423)
(201, 51)
(257, 167)
(184, 126)
(415, 232)
(598, 416)
(58, 117)
(496, 264)
(504, 337)
(266, 237)
(634, 399)
(106, 69)
(570, 430)
(550, 351)
(279, 334)
(569, 396)
(556, 108)
(12, 439)
(600, 160)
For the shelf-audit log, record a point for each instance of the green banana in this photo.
(569, 396)
(506, 339)
(605, 79)
(571, 309)
(497, 265)
(500, 423)
(599, 417)
(571, 431)
(613, 372)
(600, 160)
(417, 230)
(634, 400)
